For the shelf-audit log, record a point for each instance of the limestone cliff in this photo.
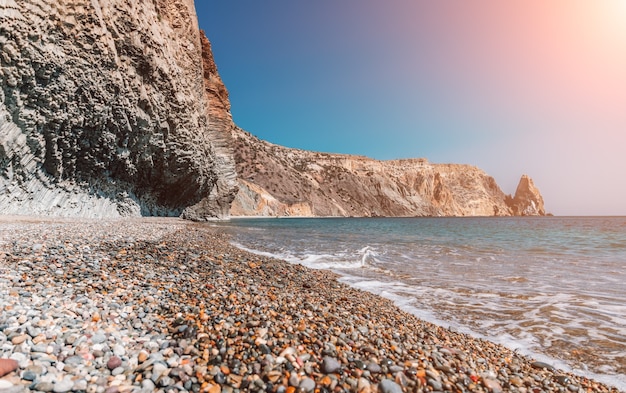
(527, 200)
(276, 180)
(111, 108)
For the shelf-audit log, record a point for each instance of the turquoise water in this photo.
(551, 287)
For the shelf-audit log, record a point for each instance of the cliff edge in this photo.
(280, 181)
(111, 108)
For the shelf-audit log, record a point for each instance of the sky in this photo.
(513, 87)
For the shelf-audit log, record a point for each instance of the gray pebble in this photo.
(147, 384)
(541, 365)
(98, 338)
(80, 385)
(388, 386)
(74, 360)
(65, 385)
(374, 368)
(307, 385)
(166, 381)
(157, 370)
(330, 365)
(119, 350)
(21, 358)
(44, 386)
(28, 375)
(117, 371)
(436, 385)
(294, 380)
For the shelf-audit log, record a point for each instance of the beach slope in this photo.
(167, 305)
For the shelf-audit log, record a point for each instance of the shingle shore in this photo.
(166, 305)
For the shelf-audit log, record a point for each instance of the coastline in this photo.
(148, 304)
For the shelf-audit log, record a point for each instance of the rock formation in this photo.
(276, 180)
(116, 108)
(111, 108)
(527, 200)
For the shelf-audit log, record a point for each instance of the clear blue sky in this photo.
(513, 87)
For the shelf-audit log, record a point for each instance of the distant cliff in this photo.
(279, 181)
(111, 108)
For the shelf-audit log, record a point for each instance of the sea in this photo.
(552, 288)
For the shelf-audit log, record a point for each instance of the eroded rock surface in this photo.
(527, 200)
(276, 180)
(111, 108)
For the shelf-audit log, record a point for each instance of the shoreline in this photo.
(101, 305)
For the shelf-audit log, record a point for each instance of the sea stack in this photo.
(527, 200)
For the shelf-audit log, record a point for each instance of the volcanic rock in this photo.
(111, 108)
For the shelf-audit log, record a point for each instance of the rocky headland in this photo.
(111, 108)
(117, 109)
(280, 181)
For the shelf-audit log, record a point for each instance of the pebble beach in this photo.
(165, 305)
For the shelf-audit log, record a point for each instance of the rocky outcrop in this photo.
(527, 200)
(253, 200)
(279, 181)
(111, 108)
(219, 128)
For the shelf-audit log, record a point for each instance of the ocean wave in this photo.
(552, 298)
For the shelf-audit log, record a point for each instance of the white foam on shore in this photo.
(313, 261)
(406, 297)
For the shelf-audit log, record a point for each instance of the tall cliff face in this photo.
(111, 108)
(275, 180)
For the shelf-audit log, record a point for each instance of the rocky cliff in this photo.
(279, 181)
(527, 200)
(111, 108)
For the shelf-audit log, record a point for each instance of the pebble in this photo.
(142, 356)
(28, 375)
(307, 385)
(374, 368)
(363, 385)
(435, 384)
(330, 365)
(44, 386)
(98, 338)
(7, 366)
(542, 365)
(107, 306)
(65, 385)
(148, 385)
(387, 386)
(17, 340)
(493, 385)
(114, 362)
